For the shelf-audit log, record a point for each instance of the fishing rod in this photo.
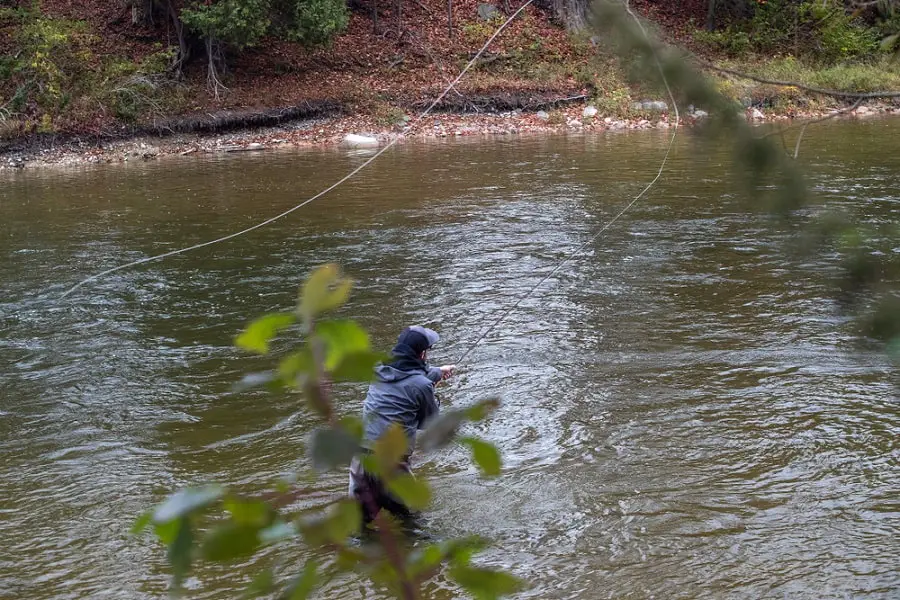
(506, 312)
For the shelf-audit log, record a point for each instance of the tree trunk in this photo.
(711, 15)
(184, 50)
(212, 71)
(141, 12)
(572, 13)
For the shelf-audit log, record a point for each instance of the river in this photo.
(685, 412)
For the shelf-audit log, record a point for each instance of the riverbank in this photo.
(101, 89)
(367, 131)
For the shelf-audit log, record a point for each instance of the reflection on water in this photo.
(684, 413)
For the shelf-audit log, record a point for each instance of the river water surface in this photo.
(685, 414)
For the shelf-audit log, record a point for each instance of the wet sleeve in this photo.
(428, 405)
(434, 374)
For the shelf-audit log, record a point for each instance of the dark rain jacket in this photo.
(403, 393)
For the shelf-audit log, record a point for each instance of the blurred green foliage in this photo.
(868, 286)
(213, 523)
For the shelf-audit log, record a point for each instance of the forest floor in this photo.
(375, 81)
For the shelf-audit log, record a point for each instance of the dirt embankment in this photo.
(219, 135)
(374, 82)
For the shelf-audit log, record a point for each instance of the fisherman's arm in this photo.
(438, 374)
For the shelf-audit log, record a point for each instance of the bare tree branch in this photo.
(825, 118)
(800, 86)
(781, 130)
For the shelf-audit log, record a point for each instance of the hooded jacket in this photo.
(403, 393)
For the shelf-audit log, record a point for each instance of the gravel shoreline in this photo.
(330, 132)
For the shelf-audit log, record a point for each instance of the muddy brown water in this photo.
(685, 414)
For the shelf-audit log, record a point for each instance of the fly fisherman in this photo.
(402, 393)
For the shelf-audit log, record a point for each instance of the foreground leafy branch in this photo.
(869, 284)
(216, 524)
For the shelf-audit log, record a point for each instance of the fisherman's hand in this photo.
(447, 371)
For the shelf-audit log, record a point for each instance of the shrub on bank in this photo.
(823, 32)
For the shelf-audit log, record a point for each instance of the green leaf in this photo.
(262, 585)
(277, 532)
(383, 574)
(324, 290)
(259, 333)
(332, 447)
(370, 464)
(441, 430)
(349, 558)
(230, 541)
(344, 519)
(303, 585)
(184, 502)
(390, 448)
(249, 512)
(254, 380)
(415, 493)
(352, 425)
(425, 559)
(180, 552)
(141, 523)
(482, 409)
(485, 584)
(890, 41)
(357, 366)
(461, 550)
(295, 365)
(341, 338)
(486, 456)
(167, 532)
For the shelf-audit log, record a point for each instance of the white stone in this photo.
(543, 115)
(756, 114)
(589, 111)
(355, 141)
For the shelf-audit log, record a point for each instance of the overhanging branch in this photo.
(800, 86)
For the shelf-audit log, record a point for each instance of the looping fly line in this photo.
(333, 186)
(506, 312)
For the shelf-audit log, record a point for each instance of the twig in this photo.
(825, 118)
(781, 135)
(781, 131)
(392, 550)
(553, 103)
